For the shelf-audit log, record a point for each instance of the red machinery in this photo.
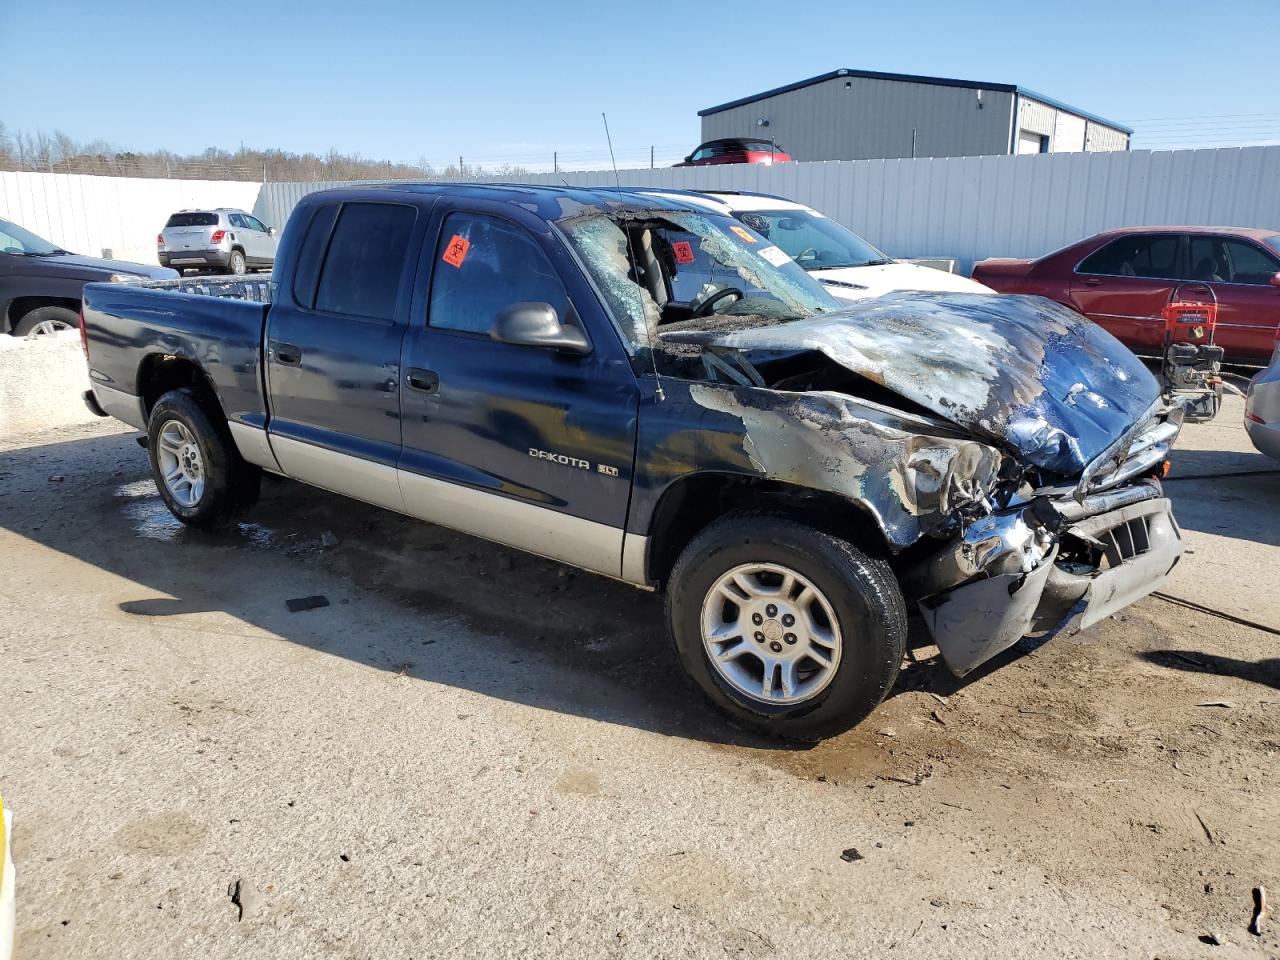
(1192, 362)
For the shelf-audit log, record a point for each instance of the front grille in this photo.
(1126, 541)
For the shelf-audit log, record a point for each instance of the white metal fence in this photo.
(965, 208)
(90, 215)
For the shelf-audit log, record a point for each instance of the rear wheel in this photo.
(786, 629)
(46, 321)
(237, 263)
(197, 468)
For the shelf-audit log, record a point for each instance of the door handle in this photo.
(288, 354)
(1092, 282)
(424, 381)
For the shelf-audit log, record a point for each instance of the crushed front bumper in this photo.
(1022, 573)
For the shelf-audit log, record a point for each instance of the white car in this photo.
(1262, 408)
(839, 259)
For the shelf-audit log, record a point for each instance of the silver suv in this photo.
(224, 239)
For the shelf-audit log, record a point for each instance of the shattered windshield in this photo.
(812, 240)
(677, 270)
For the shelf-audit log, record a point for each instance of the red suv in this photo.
(735, 150)
(1122, 280)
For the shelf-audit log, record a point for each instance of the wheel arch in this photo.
(19, 307)
(158, 373)
(693, 502)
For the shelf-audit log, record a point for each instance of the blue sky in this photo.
(496, 80)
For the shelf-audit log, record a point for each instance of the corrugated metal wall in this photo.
(88, 215)
(871, 119)
(966, 208)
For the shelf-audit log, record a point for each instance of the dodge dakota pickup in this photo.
(647, 389)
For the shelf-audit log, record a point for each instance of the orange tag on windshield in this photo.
(456, 251)
(683, 251)
(742, 232)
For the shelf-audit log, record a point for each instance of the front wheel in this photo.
(46, 321)
(786, 629)
(197, 468)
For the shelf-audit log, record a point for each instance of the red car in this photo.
(735, 150)
(1123, 279)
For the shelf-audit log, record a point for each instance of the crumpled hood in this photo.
(1023, 371)
(890, 278)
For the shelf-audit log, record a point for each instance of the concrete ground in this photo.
(472, 752)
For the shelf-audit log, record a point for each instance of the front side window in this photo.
(365, 260)
(1230, 261)
(673, 269)
(1154, 256)
(485, 264)
(254, 223)
(814, 242)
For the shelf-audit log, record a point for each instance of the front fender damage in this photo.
(913, 484)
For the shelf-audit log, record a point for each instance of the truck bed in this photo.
(255, 288)
(215, 323)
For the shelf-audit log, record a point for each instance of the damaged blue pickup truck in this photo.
(653, 392)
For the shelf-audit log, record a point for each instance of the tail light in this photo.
(159, 241)
(217, 235)
(1255, 418)
(84, 335)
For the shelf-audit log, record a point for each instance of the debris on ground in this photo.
(57, 478)
(1259, 910)
(298, 604)
(327, 539)
(244, 895)
(851, 855)
(937, 717)
(1226, 704)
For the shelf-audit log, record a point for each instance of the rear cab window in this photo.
(365, 260)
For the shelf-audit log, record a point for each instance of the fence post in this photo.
(650, 156)
(555, 161)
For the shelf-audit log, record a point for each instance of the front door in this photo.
(522, 445)
(1239, 272)
(1125, 285)
(333, 350)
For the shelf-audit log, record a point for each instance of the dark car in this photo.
(40, 283)
(735, 150)
(643, 387)
(1123, 279)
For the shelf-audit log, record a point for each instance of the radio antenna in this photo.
(635, 268)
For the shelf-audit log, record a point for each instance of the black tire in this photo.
(59, 317)
(236, 263)
(229, 482)
(861, 590)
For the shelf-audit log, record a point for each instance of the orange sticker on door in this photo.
(456, 251)
(743, 233)
(683, 251)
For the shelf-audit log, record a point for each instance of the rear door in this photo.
(1125, 285)
(518, 444)
(1239, 272)
(333, 349)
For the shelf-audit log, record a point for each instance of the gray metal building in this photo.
(863, 115)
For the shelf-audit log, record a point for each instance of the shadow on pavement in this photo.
(1265, 672)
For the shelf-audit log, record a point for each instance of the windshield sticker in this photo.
(774, 255)
(456, 251)
(683, 251)
(744, 235)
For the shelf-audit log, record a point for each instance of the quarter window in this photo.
(362, 270)
(1154, 256)
(483, 265)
